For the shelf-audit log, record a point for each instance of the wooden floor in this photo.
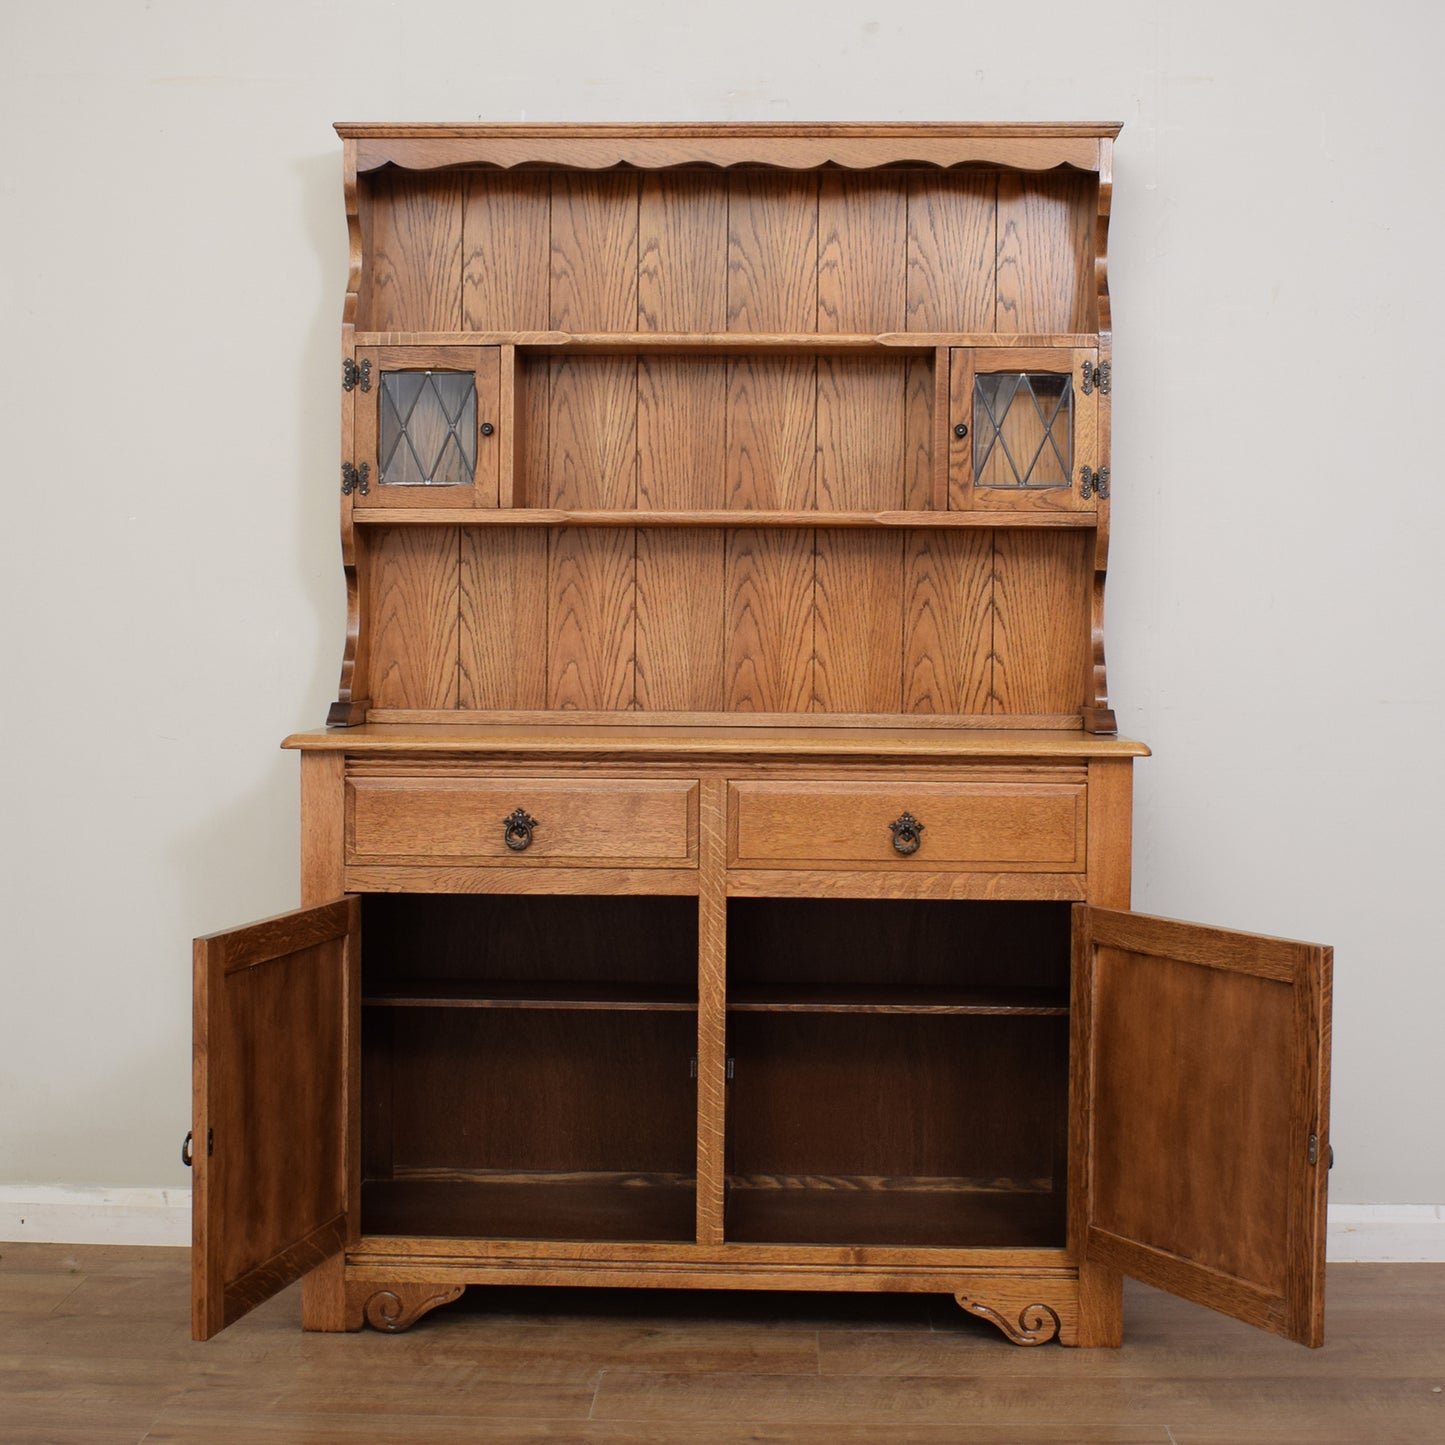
(94, 1347)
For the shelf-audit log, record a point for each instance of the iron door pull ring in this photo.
(517, 830)
(906, 831)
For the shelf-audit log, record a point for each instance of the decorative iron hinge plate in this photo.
(355, 479)
(354, 377)
(693, 1067)
(1100, 376)
(1092, 483)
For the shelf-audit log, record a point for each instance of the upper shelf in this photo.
(1031, 147)
(807, 343)
(719, 517)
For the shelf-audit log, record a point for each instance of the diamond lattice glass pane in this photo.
(428, 428)
(1023, 429)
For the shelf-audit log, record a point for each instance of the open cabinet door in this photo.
(1203, 1101)
(275, 1042)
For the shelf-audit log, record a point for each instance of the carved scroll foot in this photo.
(400, 1307)
(1029, 1312)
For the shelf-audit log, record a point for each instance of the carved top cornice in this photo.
(797, 147)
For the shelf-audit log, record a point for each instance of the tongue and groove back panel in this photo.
(893, 620)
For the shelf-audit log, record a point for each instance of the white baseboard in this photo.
(1361, 1233)
(52, 1214)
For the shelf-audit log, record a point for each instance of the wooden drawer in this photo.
(993, 827)
(611, 822)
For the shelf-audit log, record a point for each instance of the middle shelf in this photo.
(494, 993)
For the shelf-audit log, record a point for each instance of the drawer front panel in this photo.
(609, 822)
(995, 827)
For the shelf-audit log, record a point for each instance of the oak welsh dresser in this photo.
(716, 862)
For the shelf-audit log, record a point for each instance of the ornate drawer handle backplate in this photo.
(906, 832)
(517, 830)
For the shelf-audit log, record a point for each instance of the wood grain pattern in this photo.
(415, 272)
(531, 433)
(1040, 621)
(1045, 270)
(681, 421)
(951, 252)
(680, 643)
(397, 1309)
(805, 1083)
(622, 822)
(270, 1112)
(895, 883)
(771, 430)
(1003, 827)
(413, 579)
(920, 431)
(502, 636)
(594, 251)
(591, 645)
(862, 252)
(793, 147)
(592, 432)
(600, 739)
(527, 1365)
(322, 827)
(947, 622)
(657, 881)
(456, 487)
(682, 252)
(1219, 1057)
(506, 249)
(465, 1093)
(770, 624)
(772, 251)
(743, 375)
(860, 433)
(859, 622)
(1018, 1309)
(711, 1012)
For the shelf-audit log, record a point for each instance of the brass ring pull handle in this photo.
(906, 832)
(186, 1156)
(517, 830)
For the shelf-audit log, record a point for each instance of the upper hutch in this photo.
(723, 779)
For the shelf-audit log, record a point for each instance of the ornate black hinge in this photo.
(1100, 376)
(354, 479)
(354, 376)
(1092, 483)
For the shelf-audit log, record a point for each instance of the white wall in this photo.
(172, 260)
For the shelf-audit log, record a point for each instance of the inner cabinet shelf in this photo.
(715, 867)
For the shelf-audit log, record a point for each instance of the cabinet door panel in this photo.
(274, 1039)
(1029, 430)
(426, 426)
(1202, 1105)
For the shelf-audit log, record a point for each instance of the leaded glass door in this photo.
(1024, 430)
(427, 426)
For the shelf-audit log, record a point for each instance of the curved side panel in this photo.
(350, 708)
(1098, 715)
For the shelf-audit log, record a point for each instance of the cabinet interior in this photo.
(899, 1069)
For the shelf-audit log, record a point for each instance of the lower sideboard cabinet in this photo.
(767, 1025)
